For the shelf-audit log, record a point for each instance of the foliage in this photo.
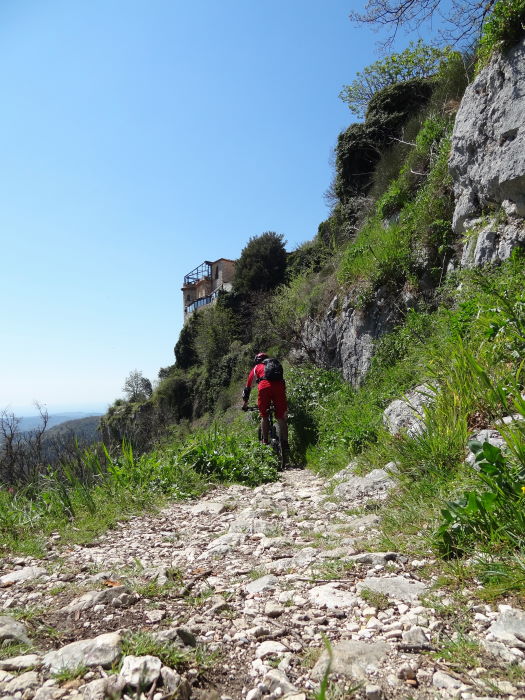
(359, 147)
(220, 454)
(173, 395)
(137, 387)
(460, 21)
(308, 256)
(215, 332)
(143, 644)
(391, 251)
(417, 61)
(504, 27)
(185, 353)
(261, 265)
(494, 512)
(81, 499)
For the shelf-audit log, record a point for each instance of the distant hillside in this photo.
(31, 422)
(84, 429)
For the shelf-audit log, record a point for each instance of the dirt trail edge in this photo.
(238, 595)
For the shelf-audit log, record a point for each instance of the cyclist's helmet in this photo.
(260, 357)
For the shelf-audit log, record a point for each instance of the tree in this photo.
(215, 332)
(261, 265)
(185, 353)
(137, 387)
(460, 19)
(416, 61)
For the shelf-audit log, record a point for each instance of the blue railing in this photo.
(202, 301)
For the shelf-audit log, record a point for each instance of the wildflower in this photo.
(523, 490)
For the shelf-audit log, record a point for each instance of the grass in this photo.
(143, 644)
(375, 599)
(16, 649)
(461, 651)
(81, 501)
(332, 569)
(69, 674)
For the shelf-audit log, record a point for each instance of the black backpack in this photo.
(273, 369)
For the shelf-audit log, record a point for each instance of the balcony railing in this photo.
(203, 271)
(201, 302)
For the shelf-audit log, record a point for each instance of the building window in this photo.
(217, 272)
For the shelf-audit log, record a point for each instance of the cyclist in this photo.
(269, 390)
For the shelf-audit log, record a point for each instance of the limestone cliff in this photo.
(487, 164)
(488, 161)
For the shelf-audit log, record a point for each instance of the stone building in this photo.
(203, 284)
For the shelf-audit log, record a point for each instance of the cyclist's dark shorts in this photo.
(272, 391)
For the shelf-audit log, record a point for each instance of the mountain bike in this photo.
(273, 436)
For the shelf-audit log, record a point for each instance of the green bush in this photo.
(504, 27)
(223, 455)
(261, 265)
(493, 513)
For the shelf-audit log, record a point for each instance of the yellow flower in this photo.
(523, 489)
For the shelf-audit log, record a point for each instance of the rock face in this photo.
(344, 337)
(488, 156)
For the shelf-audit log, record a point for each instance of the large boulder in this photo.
(407, 415)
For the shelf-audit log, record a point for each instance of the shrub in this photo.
(416, 61)
(223, 455)
(504, 27)
(261, 265)
(492, 513)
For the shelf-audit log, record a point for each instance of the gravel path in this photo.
(248, 586)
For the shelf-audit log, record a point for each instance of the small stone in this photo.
(21, 683)
(103, 650)
(20, 663)
(443, 681)
(276, 679)
(154, 616)
(21, 575)
(394, 634)
(264, 583)
(254, 694)
(12, 631)
(170, 679)
(407, 672)
(272, 609)
(374, 624)
(269, 648)
(373, 692)
(415, 637)
(140, 671)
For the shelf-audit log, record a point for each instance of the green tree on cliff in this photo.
(262, 264)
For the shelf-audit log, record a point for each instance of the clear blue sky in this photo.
(136, 140)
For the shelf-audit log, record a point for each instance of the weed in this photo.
(460, 649)
(333, 569)
(69, 674)
(14, 649)
(142, 644)
(375, 599)
(56, 590)
(254, 574)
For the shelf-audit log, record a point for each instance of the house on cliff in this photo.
(203, 284)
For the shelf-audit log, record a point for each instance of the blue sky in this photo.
(136, 140)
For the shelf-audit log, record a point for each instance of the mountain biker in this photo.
(269, 390)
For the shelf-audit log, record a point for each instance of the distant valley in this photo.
(31, 422)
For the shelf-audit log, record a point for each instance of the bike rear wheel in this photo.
(277, 447)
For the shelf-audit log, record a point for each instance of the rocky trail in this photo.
(236, 596)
